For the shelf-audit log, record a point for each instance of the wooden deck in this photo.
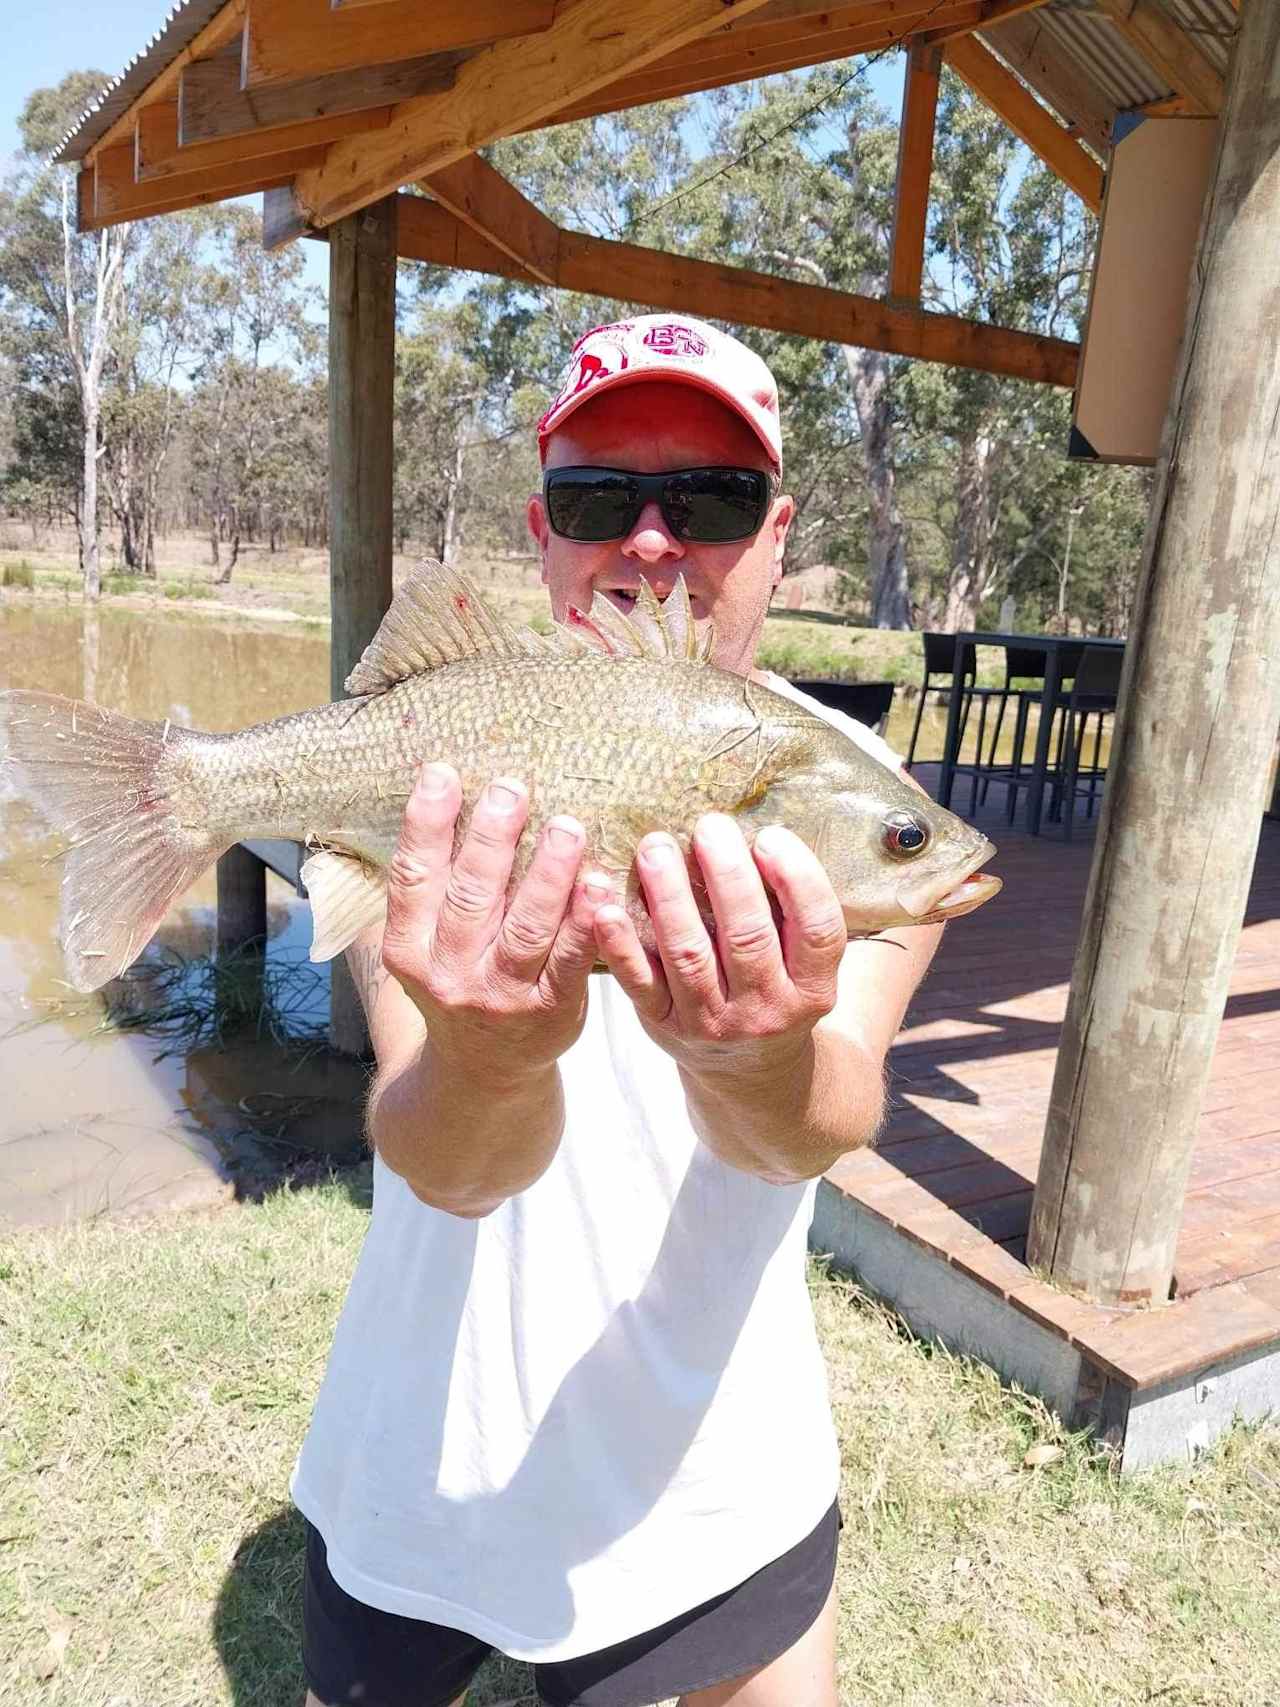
(970, 1081)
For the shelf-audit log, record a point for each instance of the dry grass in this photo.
(157, 1379)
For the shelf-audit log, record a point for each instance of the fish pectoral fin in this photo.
(346, 895)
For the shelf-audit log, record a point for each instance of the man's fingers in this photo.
(746, 935)
(684, 945)
(420, 864)
(623, 953)
(475, 895)
(813, 928)
(574, 952)
(538, 905)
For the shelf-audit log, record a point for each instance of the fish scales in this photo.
(618, 721)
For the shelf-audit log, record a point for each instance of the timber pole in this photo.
(1189, 765)
(362, 335)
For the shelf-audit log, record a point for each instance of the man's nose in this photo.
(651, 540)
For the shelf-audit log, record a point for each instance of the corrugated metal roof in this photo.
(1212, 25)
(1102, 53)
(182, 25)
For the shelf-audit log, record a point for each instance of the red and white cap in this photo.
(669, 347)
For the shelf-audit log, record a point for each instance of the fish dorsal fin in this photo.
(438, 617)
(664, 631)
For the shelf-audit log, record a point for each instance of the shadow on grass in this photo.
(257, 1626)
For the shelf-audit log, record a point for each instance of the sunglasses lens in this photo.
(716, 504)
(593, 504)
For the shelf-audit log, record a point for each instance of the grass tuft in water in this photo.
(21, 574)
(212, 1000)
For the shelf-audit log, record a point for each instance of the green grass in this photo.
(20, 574)
(188, 590)
(157, 1378)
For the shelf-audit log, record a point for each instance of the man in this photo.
(576, 1409)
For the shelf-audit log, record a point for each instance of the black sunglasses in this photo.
(706, 505)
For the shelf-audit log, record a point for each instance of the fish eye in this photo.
(905, 835)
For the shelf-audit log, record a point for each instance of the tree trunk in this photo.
(90, 561)
(887, 532)
(971, 540)
(1187, 782)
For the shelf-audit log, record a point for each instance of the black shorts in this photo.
(353, 1653)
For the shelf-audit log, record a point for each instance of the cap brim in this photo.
(651, 372)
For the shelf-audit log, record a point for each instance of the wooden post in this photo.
(242, 901)
(362, 330)
(1189, 763)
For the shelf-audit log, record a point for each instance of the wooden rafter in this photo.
(429, 232)
(159, 155)
(683, 74)
(483, 199)
(993, 12)
(1056, 75)
(212, 105)
(117, 196)
(1168, 49)
(1024, 115)
(285, 40)
(915, 166)
(512, 85)
(225, 26)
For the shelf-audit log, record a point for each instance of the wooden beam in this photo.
(1188, 771)
(224, 27)
(158, 154)
(915, 167)
(117, 197)
(362, 343)
(1057, 76)
(212, 105)
(628, 273)
(1146, 25)
(510, 86)
(285, 40)
(688, 73)
(993, 12)
(1024, 115)
(483, 199)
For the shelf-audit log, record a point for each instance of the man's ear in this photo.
(784, 513)
(535, 514)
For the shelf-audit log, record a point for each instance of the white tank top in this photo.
(567, 1422)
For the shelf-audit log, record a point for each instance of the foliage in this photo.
(930, 496)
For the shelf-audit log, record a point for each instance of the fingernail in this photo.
(719, 833)
(434, 781)
(502, 797)
(563, 837)
(657, 855)
(597, 887)
(772, 839)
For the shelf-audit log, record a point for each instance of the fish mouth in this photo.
(973, 888)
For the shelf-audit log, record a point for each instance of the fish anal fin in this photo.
(346, 895)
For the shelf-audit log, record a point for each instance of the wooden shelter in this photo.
(333, 107)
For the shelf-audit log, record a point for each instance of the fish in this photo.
(617, 718)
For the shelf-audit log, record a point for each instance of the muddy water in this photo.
(89, 1118)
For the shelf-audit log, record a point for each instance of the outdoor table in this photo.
(1052, 645)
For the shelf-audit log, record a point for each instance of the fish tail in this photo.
(107, 783)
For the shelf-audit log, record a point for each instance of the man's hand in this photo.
(746, 1000)
(468, 1107)
(501, 988)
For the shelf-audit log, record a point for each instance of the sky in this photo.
(58, 36)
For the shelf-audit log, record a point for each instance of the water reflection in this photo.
(92, 1120)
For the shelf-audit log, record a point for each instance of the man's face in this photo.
(656, 427)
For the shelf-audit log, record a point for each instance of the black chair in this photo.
(939, 660)
(1094, 692)
(869, 702)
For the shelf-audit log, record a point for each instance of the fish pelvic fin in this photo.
(345, 895)
(103, 780)
(440, 617)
